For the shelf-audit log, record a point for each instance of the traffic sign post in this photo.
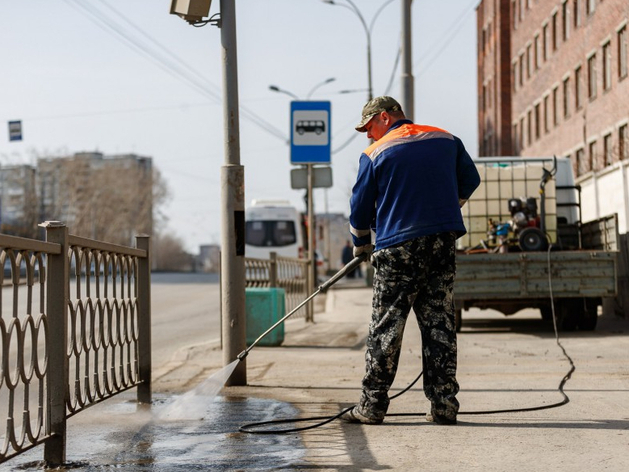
(310, 138)
(15, 131)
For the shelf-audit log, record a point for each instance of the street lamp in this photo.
(368, 29)
(275, 88)
(326, 81)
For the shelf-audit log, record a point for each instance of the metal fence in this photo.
(74, 329)
(284, 272)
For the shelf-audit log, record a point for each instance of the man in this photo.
(411, 184)
(346, 256)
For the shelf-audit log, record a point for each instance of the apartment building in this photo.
(565, 90)
(553, 80)
(18, 214)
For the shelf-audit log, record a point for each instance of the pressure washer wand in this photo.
(350, 266)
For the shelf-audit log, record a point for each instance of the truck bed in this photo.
(583, 273)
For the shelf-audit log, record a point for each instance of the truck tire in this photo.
(589, 315)
(569, 314)
(458, 319)
(532, 239)
(546, 312)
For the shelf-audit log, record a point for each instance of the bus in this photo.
(272, 226)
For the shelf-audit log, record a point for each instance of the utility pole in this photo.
(407, 80)
(233, 207)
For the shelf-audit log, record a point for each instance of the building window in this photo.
(592, 77)
(546, 123)
(578, 98)
(622, 142)
(566, 97)
(514, 137)
(528, 61)
(538, 122)
(590, 6)
(607, 65)
(580, 164)
(536, 51)
(622, 52)
(515, 17)
(514, 75)
(576, 13)
(565, 20)
(521, 10)
(607, 149)
(556, 106)
(553, 31)
(545, 42)
(521, 69)
(529, 128)
(592, 156)
(521, 133)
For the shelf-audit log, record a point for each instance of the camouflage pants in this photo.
(417, 274)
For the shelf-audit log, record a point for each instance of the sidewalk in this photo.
(503, 363)
(319, 369)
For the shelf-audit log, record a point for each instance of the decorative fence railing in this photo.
(75, 333)
(284, 272)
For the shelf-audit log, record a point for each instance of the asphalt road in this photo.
(185, 312)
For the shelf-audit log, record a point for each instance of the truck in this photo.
(526, 245)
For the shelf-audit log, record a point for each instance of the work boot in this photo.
(355, 416)
(433, 417)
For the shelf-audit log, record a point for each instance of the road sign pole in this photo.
(311, 243)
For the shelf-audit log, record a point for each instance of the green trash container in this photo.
(264, 307)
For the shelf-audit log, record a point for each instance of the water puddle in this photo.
(117, 441)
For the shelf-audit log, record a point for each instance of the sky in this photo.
(125, 76)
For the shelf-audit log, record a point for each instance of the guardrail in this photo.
(76, 333)
(284, 272)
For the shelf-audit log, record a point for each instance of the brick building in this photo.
(552, 79)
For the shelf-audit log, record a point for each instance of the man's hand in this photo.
(366, 249)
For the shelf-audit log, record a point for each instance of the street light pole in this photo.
(368, 29)
(406, 80)
(233, 207)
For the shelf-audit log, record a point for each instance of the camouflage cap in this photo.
(375, 106)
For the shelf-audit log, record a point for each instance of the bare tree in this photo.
(169, 254)
(106, 199)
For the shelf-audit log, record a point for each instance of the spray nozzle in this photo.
(242, 355)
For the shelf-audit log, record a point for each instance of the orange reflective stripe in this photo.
(403, 131)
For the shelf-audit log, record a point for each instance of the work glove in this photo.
(366, 249)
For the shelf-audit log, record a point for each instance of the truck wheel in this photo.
(589, 315)
(532, 239)
(569, 314)
(458, 320)
(547, 312)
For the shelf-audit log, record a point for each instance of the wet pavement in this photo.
(119, 435)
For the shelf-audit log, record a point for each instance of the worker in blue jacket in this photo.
(411, 184)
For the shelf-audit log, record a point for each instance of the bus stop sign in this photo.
(310, 132)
